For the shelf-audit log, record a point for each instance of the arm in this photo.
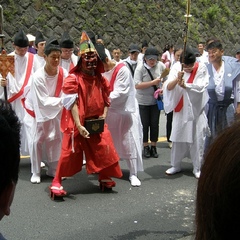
(75, 114)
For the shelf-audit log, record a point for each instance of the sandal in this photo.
(106, 184)
(57, 191)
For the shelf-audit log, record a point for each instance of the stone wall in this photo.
(122, 22)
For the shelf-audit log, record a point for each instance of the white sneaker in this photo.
(170, 145)
(135, 182)
(35, 178)
(173, 170)
(197, 174)
(84, 161)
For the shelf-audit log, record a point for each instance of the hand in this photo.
(181, 82)
(3, 82)
(83, 131)
(156, 81)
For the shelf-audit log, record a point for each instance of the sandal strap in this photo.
(56, 188)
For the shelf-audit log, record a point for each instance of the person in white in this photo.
(68, 58)
(123, 117)
(40, 42)
(23, 69)
(43, 103)
(189, 126)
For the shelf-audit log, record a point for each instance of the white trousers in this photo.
(181, 150)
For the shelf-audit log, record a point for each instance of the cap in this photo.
(66, 41)
(238, 51)
(151, 53)
(21, 39)
(189, 56)
(86, 44)
(39, 38)
(30, 37)
(52, 44)
(134, 48)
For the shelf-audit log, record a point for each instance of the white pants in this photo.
(181, 150)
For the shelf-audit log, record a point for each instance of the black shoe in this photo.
(153, 152)
(146, 152)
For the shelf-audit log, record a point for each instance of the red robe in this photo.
(101, 156)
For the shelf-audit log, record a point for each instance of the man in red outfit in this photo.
(86, 97)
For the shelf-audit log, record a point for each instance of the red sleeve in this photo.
(70, 84)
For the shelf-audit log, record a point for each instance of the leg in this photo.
(106, 183)
(36, 154)
(154, 129)
(53, 149)
(145, 119)
(178, 152)
(69, 163)
(169, 127)
(132, 165)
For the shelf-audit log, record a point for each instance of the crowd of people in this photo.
(95, 109)
(56, 94)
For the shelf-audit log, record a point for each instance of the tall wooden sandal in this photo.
(106, 184)
(57, 192)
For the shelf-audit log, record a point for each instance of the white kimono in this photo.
(44, 129)
(189, 126)
(15, 84)
(66, 63)
(38, 62)
(123, 117)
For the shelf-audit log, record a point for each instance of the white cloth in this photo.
(15, 84)
(66, 63)
(43, 130)
(190, 125)
(38, 62)
(123, 118)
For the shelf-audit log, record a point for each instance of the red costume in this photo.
(99, 150)
(92, 90)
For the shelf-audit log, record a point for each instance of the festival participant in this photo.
(167, 56)
(132, 60)
(10, 156)
(40, 42)
(116, 54)
(185, 93)
(123, 117)
(144, 83)
(44, 107)
(223, 89)
(86, 98)
(68, 58)
(218, 190)
(15, 84)
(31, 40)
(177, 53)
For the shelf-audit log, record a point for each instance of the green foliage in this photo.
(212, 12)
(10, 11)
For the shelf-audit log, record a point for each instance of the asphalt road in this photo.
(162, 208)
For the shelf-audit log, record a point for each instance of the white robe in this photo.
(15, 84)
(66, 63)
(44, 129)
(38, 62)
(123, 117)
(190, 124)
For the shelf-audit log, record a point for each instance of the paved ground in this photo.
(162, 208)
